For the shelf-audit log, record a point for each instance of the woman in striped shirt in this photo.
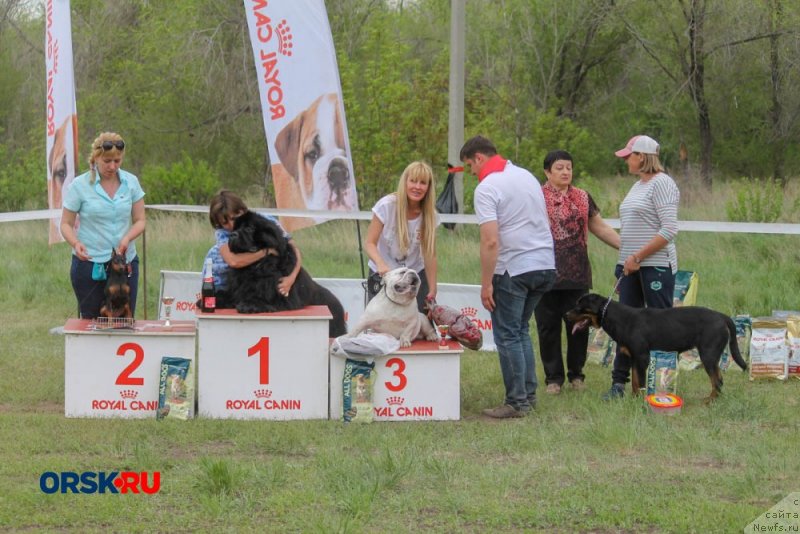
(648, 225)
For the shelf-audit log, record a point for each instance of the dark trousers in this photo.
(91, 293)
(423, 290)
(651, 286)
(549, 316)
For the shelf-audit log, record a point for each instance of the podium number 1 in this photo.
(262, 349)
(125, 378)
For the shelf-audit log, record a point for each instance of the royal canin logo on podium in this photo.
(126, 403)
(394, 401)
(263, 401)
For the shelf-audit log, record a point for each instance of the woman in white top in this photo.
(648, 219)
(402, 232)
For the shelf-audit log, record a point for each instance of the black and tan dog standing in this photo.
(637, 331)
(118, 291)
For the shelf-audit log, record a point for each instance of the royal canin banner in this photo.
(301, 103)
(62, 115)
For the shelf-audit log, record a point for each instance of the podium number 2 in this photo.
(125, 378)
(262, 349)
(401, 378)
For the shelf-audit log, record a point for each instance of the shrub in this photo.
(23, 181)
(185, 182)
(755, 201)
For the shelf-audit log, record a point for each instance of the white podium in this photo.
(264, 365)
(417, 383)
(115, 372)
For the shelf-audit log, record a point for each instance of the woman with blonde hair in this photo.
(402, 232)
(110, 203)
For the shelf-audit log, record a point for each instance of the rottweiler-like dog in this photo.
(254, 289)
(637, 331)
(118, 291)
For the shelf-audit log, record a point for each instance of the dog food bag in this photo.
(662, 373)
(175, 389)
(686, 283)
(769, 353)
(601, 348)
(793, 340)
(744, 326)
(357, 391)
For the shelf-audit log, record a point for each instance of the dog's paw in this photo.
(405, 342)
(432, 336)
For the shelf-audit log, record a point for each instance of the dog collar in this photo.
(388, 297)
(603, 311)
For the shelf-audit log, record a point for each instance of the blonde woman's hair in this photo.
(97, 150)
(418, 170)
(650, 164)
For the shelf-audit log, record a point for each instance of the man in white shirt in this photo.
(517, 265)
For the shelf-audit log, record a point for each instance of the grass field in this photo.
(575, 465)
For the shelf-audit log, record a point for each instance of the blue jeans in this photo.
(651, 287)
(515, 298)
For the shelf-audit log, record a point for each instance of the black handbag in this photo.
(374, 283)
(447, 201)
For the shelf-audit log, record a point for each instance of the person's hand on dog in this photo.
(285, 285)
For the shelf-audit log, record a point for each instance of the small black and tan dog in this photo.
(118, 291)
(637, 331)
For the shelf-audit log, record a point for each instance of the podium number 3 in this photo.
(125, 378)
(262, 349)
(401, 378)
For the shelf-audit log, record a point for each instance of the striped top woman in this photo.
(648, 226)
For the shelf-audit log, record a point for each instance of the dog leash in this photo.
(610, 297)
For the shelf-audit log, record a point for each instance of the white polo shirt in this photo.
(513, 197)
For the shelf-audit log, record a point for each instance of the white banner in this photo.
(62, 117)
(184, 287)
(302, 108)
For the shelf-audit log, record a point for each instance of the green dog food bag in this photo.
(175, 389)
(662, 373)
(357, 391)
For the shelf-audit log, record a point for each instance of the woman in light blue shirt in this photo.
(110, 203)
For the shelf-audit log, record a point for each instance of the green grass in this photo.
(575, 465)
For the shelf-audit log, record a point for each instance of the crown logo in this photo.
(262, 393)
(284, 39)
(394, 401)
(469, 311)
(128, 394)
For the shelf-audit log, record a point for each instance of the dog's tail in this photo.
(734, 344)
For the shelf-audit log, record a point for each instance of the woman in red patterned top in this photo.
(573, 214)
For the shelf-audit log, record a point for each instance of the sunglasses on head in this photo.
(108, 145)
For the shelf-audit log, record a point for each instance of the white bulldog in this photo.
(394, 311)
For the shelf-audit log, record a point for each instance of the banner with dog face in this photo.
(62, 117)
(302, 108)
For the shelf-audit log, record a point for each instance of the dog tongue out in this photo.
(579, 326)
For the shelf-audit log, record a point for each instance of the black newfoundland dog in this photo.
(254, 289)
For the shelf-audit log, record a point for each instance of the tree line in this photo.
(713, 80)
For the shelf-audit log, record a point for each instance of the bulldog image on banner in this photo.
(314, 157)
